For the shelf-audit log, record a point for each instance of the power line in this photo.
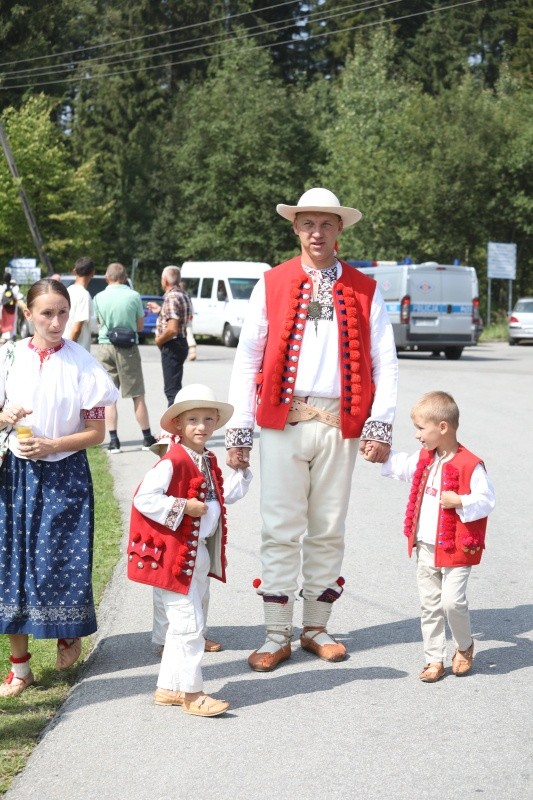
(151, 35)
(322, 34)
(170, 49)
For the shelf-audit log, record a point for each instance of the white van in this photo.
(219, 291)
(432, 307)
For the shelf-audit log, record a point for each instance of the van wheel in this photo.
(453, 353)
(228, 337)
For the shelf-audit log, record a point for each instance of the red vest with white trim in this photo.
(457, 544)
(165, 558)
(288, 294)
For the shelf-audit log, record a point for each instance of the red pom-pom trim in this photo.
(256, 583)
(340, 581)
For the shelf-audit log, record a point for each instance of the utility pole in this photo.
(28, 213)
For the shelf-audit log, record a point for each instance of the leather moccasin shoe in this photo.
(327, 648)
(462, 661)
(212, 647)
(266, 662)
(12, 686)
(68, 652)
(167, 697)
(432, 673)
(205, 706)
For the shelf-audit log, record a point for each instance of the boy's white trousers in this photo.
(184, 642)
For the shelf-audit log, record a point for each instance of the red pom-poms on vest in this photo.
(340, 581)
(256, 583)
(136, 538)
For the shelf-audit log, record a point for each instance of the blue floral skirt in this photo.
(46, 547)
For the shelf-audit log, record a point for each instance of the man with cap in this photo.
(316, 368)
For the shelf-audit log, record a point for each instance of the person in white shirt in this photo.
(445, 523)
(316, 368)
(81, 304)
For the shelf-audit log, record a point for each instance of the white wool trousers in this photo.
(306, 476)
(184, 642)
(442, 593)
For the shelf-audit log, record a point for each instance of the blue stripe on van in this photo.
(441, 308)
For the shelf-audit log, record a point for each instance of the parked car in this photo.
(150, 317)
(521, 321)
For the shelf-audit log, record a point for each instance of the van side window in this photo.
(191, 286)
(207, 288)
(222, 294)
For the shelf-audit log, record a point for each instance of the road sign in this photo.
(501, 261)
(24, 270)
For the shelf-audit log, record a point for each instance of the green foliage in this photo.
(242, 148)
(171, 133)
(62, 197)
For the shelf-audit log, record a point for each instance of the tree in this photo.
(239, 148)
(63, 198)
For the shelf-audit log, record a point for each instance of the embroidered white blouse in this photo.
(68, 382)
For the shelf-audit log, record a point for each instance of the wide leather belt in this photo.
(300, 410)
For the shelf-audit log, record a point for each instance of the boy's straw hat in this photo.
(194, 396)
(319, 199)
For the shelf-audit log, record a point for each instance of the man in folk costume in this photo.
(316, 368)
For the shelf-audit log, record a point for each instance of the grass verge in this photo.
(22, 719)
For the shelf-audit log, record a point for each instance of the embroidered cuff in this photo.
(377, 431)
(175, 514)
(239, 437)
(98, 412)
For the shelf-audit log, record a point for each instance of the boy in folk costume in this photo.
(446, 519)
(161, 446)
(178, 540)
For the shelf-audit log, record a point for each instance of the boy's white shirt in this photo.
(476, 505)
(153, 501)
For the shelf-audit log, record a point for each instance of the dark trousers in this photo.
(173, 355)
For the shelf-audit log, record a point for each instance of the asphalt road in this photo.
(367, 727)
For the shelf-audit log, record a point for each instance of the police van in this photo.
(432, 307)
(219, 292)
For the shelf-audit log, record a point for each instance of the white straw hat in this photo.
(196, 395)
(320, 200)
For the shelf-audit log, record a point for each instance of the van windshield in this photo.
(241, 288)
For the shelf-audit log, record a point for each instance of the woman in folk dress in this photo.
(46, 498)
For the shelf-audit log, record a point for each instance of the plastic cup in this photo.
(23, 431)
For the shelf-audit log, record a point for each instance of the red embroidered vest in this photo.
(457, 544)
(164, 558)
(288, 294)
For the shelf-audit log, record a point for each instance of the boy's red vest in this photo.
(457, 544)
(288, 294)
(165, 558)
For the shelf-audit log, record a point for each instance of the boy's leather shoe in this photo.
(462, 661)
(167, 697)
(432, 673)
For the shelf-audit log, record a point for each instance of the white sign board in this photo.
(501, 261)
(24, 270)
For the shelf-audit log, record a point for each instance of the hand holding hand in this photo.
(375, 452)
(238, 457)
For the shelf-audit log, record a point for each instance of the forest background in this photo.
(152, 131)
